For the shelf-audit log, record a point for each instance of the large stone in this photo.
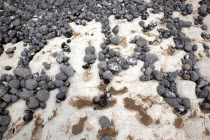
(186, 89)
(22, 72)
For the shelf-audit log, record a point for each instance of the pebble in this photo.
(22, 72)
(107, 75)
(31, 84)
(96, 99)
(61, 76)
(42, 95)
(151, 58)
(186, 102)
(7, 68)
(181, 109)
(115, 30)
(158, 75)
(60, 57)
(25, 94)
(89, 57)
(14, 84)
(90, 50)
(172, 102)
(63, 89)
(3, 129)
(47, 66)
(104, 122)
(102, 102)
(204, 27)
(105, 137)
(32, 103)
(58, 83)
(27, 118)
(68, 70)
(193, 76)
(115, 40)
(61, 96)
(160, 90)
(4, 120)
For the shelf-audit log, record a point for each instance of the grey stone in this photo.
(186, 102)
(47, 66)
(148, 71)
(115, 40)
(186, 24)
(160, 90)
(140, 42)
(151, 58)
(22, 72)
(14, 98)
(4, 120)
(144, 78)
(204, 27)
(90, 50)
(188, 47)
(105, 137)
(3, 90)
(16, 22)
(68, 70)
(42, 95)
(89, 57)
(60, 57)
(158, 75)
(193, 76)
(32, 103)
(115, 30)
(25, 94)
(102, 65)
(58, 83)
(61, 76)
(172, 102)
(101, 56)
(104, 122)
(63, 89)
(131, 61)
(114, 67)
(3, 129)
(107, 75)
(31, 84)
(7, 98)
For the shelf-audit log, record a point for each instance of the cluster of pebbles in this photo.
(33, 22)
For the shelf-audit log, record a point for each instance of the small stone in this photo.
(25, 94)
(144, 78)
(96, 99)
(205, 106)
(193, 76)
(31, 84)
(22, 72)
(104, 122)
(89, 57)
(60, 57)
(186, 102)
(7, 68)
(32, 103)
(68, 70)
(172, 102)
(47, 66)
(115, 30)
(42, 95)
(105, 137)
(181, 109)
(3, 90)
(158, 75)
(4, 120)
(61, 96)
(90, 50)
(63, 89)
(151, 58)
(14, 84)
(102, 102)
(58, 83)
(204, 27)
(61, 76)
(160, 90)
(187, 24)
(115, 40)
(107, 75)
(42, 105)
(3, 129)
(27, 118)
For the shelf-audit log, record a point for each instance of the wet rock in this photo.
(42, 95)
(31, 84)
(32, 103)
(27, 118)
(181, 109)
(22, 72)
(104, 122)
